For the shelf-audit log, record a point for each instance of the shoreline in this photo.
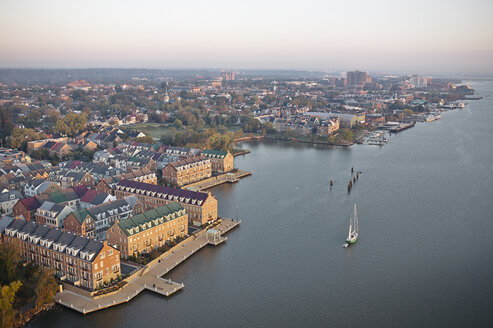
(291, 139)
(149, 277)
(29, 315)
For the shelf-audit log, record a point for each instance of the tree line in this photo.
(22, 285)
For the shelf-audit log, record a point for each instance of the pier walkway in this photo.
(231, 177)
(149, 277)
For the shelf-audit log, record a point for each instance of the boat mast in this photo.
(356, 227)
(350, 226)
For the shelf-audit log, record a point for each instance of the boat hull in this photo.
(352, 240)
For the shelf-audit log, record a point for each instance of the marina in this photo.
(377, 138)
(150, 277)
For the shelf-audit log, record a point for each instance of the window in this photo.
(110, 252)
(102, 255)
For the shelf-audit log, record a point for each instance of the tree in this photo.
(32, 119)
(146, 139)
(6, 125)
(178, 123)
(347, 134)
(46, 288)
(9, 259)
(6, 301)
(20, 137)
(268, 127)
(72, 124)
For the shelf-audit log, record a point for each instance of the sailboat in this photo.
(353, 229)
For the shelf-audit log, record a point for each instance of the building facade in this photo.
(8, 198)
(221, 161)
(78, 260)
(147, 231)
(26, 208)
(201, 207)
(52, 214)
(187, 171)
(94, 221)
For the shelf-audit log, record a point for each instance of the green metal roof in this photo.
(151, 218)
(81, 215)
(214, 153)
(57, 197)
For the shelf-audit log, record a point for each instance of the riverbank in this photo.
(297, 139)
(26, 317)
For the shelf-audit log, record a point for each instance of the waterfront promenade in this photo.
(148, 277)
(231, 177)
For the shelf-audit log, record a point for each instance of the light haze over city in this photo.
(419, 36)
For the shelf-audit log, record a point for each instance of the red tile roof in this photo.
(89, 196)
(80, 190)
(30, 203)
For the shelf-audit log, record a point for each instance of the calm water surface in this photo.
(423, 259)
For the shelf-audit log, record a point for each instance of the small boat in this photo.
(353, 228)
(345, 245)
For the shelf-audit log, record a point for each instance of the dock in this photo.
(242, 152)
(149, 277)
(231, 177)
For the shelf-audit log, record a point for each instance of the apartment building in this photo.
(147, 231)
(187, 170)
(78, 260)
(94, 221)
(221, 161)
(201, 207)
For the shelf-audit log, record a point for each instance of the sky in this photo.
(374, 35)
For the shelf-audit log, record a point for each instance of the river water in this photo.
(423, 259)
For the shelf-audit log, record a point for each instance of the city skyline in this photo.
(423, 37)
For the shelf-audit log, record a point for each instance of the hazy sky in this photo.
(385, 35)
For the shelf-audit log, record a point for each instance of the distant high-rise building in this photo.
(418, 81)
(228, 76)
(357, 78)
(342, 82)
(166, 95)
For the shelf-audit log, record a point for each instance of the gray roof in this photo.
(4, 222)
(35, 183)
(52, 207)
(117, 207)
(5, 196)
(69, 242)
(99, 199)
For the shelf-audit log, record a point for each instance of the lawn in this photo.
(155, 130)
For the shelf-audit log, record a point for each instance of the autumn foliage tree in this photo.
(72, 124)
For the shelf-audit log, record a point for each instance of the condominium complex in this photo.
(201, 207)
(79, 260)
(144, 232)
(221, 161)
(94, 221)
(357, 78)
(187, 171)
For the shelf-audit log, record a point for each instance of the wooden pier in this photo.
(231, 177)
(147, 278)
